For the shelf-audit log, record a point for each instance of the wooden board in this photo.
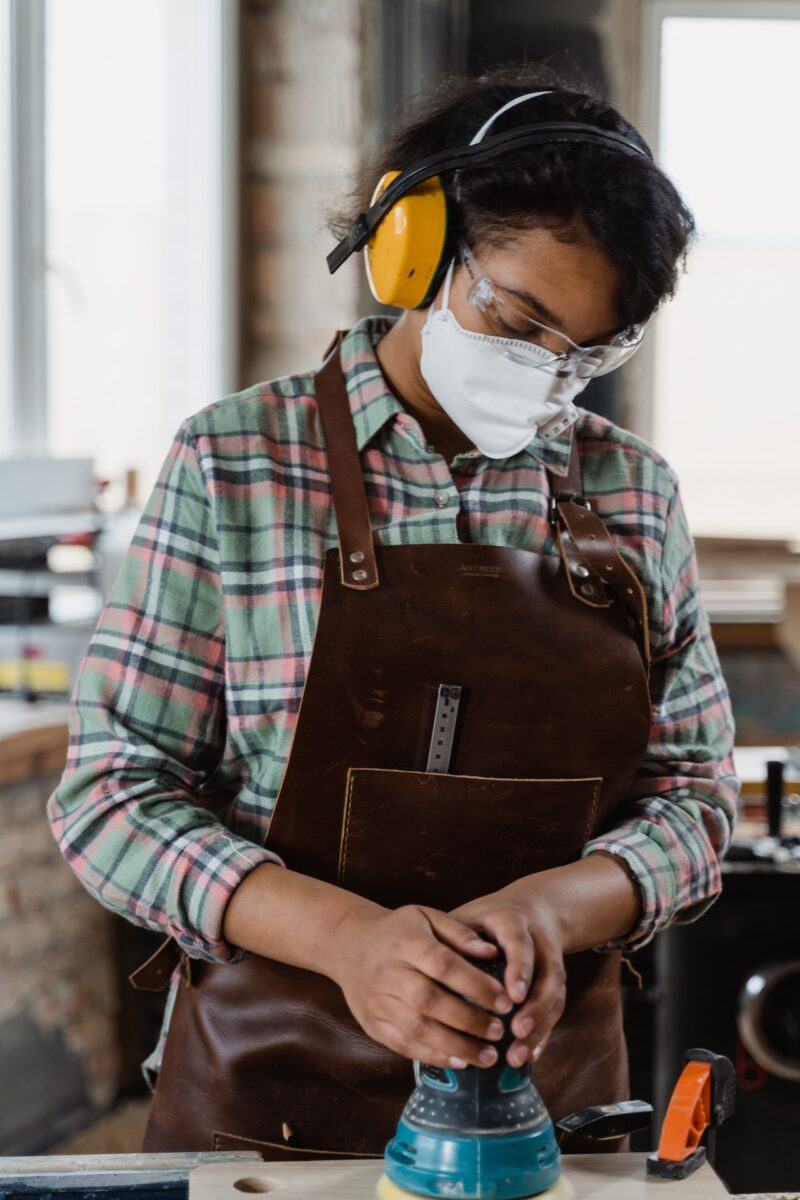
(585, 1177)
(31, 753)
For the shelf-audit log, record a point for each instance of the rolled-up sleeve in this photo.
(147, 727)
(674, 825)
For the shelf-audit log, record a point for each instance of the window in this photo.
(6, 263)
(138, 181)
(726, 410)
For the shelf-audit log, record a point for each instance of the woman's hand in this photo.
(526, 927)
(398, 971)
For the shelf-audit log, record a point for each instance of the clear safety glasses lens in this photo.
(504, 319)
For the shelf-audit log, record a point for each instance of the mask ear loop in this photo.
(448, 279)
(445, 295)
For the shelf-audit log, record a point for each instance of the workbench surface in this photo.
(585, 1177)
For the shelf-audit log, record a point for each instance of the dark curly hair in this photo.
(626, 204)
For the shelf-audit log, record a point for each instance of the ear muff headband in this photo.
(405, 256)
(543, 133)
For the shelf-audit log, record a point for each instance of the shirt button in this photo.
(442, 499)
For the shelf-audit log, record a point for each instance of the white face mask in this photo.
(498, 391)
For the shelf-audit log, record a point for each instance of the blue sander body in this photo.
(479, 1133)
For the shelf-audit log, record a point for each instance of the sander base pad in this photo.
(387, 1190)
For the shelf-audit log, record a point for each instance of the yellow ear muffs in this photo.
(405, 251)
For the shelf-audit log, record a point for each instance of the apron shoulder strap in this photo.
(357, 567)
(590, 557)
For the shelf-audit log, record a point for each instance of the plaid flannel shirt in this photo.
(183, 713)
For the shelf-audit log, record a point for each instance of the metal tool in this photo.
(444, 727)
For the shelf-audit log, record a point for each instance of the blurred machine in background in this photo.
(49, 583)
(60, 550)
(734, 978)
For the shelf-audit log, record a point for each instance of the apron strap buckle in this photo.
(595, 569)
(558, 497)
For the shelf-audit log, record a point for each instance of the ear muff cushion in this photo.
(405, 251)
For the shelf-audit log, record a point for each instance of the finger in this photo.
(510, 930)
(439, 962)
(459, 936)
(520, 1052)
(535, 1021)
(548, 992)
(532, 1044)
(433, 1001)
(448, 968)
(416, 1036)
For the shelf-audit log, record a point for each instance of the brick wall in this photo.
(303, 128)
(59, 1039)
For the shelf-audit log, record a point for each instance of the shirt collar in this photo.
(553, 454)
(372, 404)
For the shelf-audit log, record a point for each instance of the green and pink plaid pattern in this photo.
(183, 713)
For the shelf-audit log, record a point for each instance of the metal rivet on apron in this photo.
(359, 575)
(587, 589)
(582, 571)
(357, 556)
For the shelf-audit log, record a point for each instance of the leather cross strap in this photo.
(590, 557)
(357, 566)
(153, 975)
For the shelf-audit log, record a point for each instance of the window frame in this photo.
(28, 415)
(27, 186)
(641, 418)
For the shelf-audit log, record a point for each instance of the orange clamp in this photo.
(688, 1115)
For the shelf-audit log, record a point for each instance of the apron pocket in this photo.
(419, 837)
(276, 1151)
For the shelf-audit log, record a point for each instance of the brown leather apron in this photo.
(551, 653)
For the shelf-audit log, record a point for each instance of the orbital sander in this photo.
(477, 1132)
(483, 1133)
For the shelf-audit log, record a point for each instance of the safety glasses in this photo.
(504, 319)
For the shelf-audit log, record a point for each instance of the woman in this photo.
(514, 731)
